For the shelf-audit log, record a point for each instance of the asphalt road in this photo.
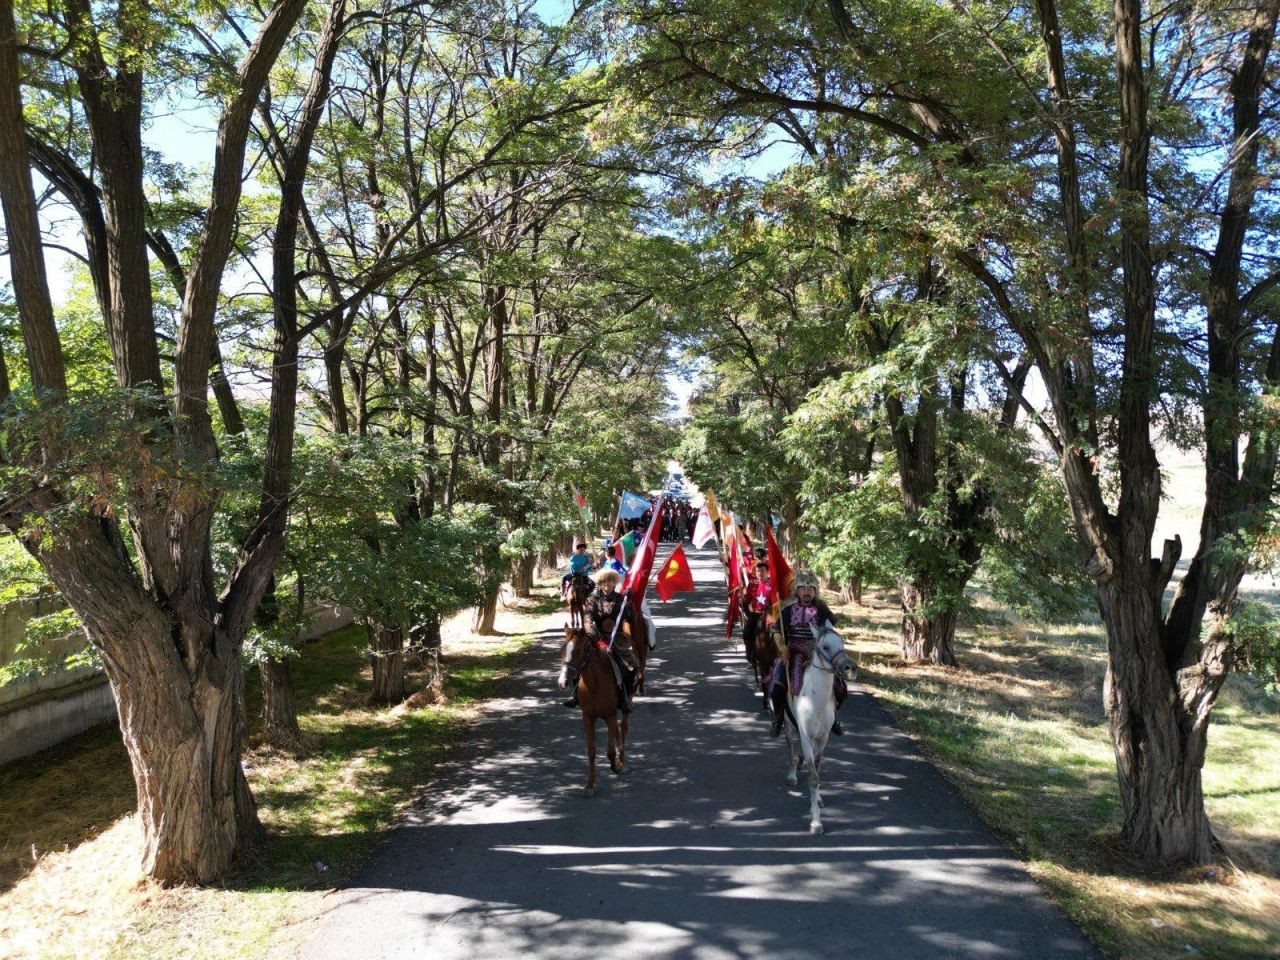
(701, 851)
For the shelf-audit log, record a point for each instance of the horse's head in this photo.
(829, 650)
(573, 652)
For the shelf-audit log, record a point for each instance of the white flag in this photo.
(704, 530)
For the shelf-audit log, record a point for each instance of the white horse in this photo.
(814, 710)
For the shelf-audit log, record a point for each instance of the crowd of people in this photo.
(677, 521)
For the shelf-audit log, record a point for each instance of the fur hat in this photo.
(608, 573)
(806, 579)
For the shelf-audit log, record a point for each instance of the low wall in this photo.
(40, 712)
(43, 718)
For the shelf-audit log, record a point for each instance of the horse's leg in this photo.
(791, 753)
(815, 797)
(615, 751)
(590, 723)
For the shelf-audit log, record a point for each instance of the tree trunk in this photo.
(1159, 743)
(279, 710)
(522, 575)
(486, 613)
(386, 654)
(427, 644)
(927, 634)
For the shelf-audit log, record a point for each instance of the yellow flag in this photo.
(712, 508)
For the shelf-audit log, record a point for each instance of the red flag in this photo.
(675, 576)
(781, 578)
(735, 582)
(637, 581)
(735, 566)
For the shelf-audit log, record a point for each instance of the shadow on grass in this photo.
(361, 766)
(1019, 726)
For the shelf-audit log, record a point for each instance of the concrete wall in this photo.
(43, 718)
(38, 712)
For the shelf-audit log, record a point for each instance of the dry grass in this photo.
(80, 897)
(1019, 728)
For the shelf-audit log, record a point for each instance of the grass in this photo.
(1019, 727)
(69, 885)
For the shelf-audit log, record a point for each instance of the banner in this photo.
(712, 507)
(675, 577)
(735, 583)
(633, 505)
(625, 548)
(783, 580)
(583, 508)
(704, 531)
(638, 576)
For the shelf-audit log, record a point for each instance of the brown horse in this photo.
(761, 650)
(586, 664)
(580, 588)
(637, 632)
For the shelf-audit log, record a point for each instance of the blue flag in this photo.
(633, 506)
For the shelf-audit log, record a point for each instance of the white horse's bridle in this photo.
(841, 662)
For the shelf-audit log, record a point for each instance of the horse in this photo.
(760, 651)
(587, 664)
(637, 631)
(812, 712)
(580, 588)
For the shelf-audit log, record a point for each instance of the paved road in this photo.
(702, 851)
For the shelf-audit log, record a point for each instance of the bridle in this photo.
(823, 662)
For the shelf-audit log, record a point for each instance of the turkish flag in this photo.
(675, 576)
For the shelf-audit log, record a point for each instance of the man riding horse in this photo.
(794, 638)
(601, 614)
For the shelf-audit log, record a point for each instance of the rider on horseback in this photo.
(755, 604)
(605, 605)
(579, 566)
(800, 618)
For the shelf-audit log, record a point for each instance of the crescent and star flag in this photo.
(704, 531)
(638, 576)
(675, 576)
(783, 580)
(581, 502)
(633, 505)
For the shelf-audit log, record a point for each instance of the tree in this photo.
(1134, 277)
(169, 638)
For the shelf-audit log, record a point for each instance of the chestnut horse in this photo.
(586, 664)
(637, 631)
(761, 651)
(580, 588)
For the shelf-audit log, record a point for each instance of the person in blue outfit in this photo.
(579, 565)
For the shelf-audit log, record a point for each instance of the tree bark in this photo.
(927, 635)
(279, 707)
(427, 644)
(386, 654)
(486, 613)
(522, 574)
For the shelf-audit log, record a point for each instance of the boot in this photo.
(836, 729)
(572, 701)
(779, 717)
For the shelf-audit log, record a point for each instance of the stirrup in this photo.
(836, 729)
(571, 702)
